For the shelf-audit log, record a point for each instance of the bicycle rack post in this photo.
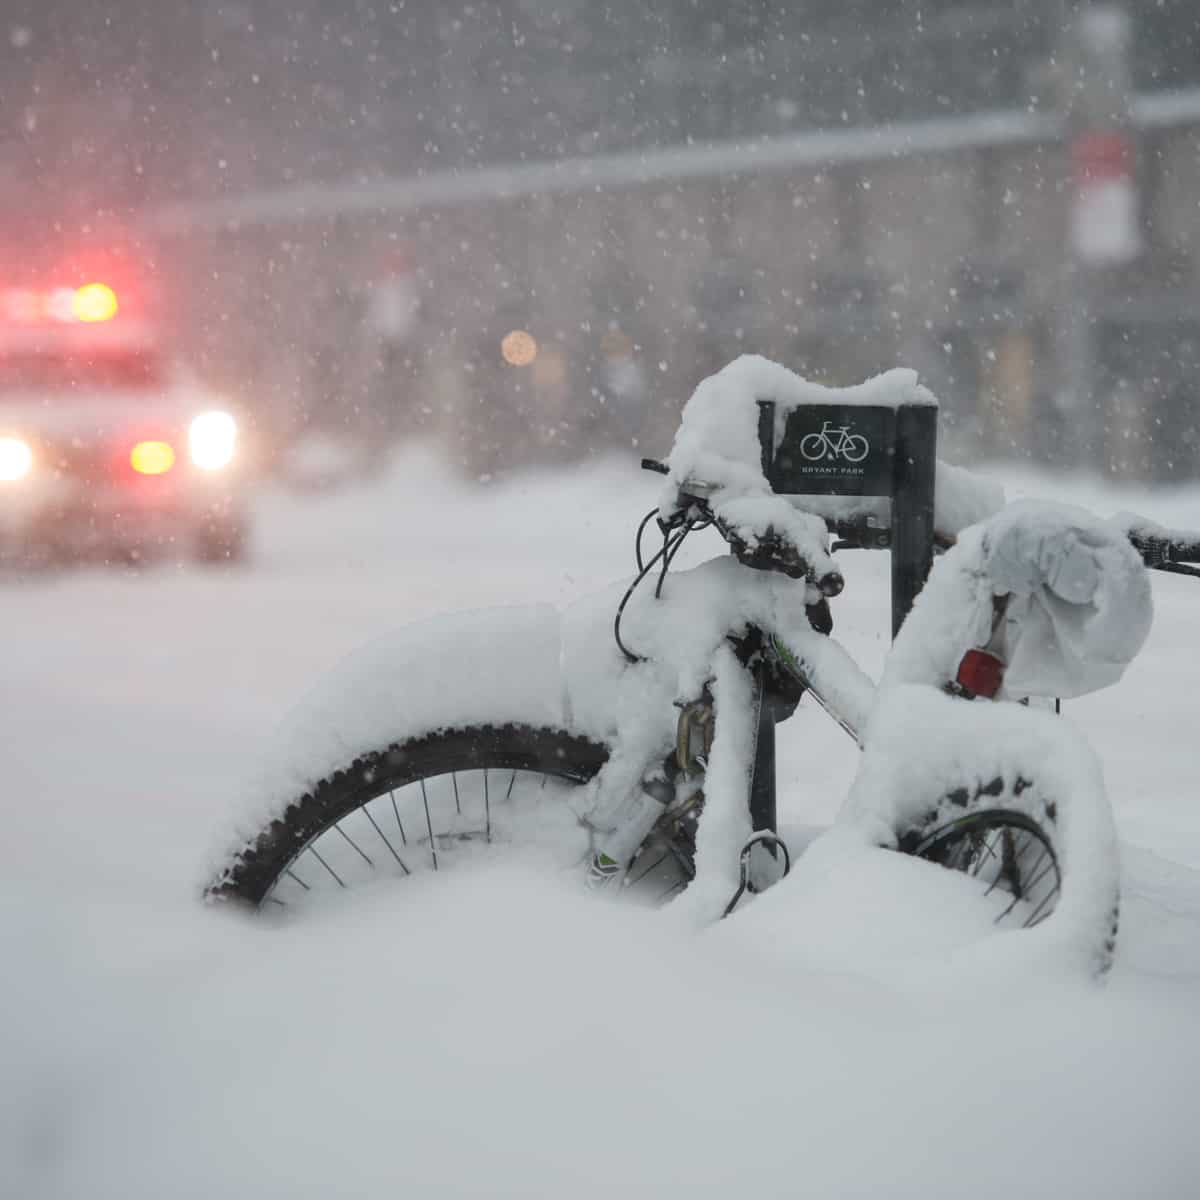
(914, 467)
(895, 456)
(899, 462)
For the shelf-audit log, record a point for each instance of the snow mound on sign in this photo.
(717, 441)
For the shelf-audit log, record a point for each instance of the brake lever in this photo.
(773, 553)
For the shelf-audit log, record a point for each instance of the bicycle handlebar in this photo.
(1161, 549)
(1166, 553)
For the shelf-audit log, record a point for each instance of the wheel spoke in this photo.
(1011, 865)
(429, 826)
(457, 802)
(361, 853)
(1036, 915)
(399, 823)
(1017, 896)
(317, 855)
(980, 858)
(297, 878)
(1023, 883)
(1050, 866)
(1017, 870)
(367, 814)
(487, 807)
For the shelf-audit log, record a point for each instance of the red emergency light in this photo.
(89, 304)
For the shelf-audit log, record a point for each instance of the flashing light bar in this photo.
(152, 458)
(92, 303)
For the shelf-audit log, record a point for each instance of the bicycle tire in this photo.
(1008, 834)
(256, 870)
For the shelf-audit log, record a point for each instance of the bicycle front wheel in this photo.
(422, 806)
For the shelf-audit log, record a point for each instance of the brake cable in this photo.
(637, 545)
(691, 527)
(671, 544)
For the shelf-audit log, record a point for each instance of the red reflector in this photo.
(981, 673)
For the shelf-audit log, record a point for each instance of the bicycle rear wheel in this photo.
(1007, 836)
(1008, 852)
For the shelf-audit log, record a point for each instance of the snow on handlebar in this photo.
(1162, 549)
(768, 533)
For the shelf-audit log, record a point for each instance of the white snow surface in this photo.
(843, 1034)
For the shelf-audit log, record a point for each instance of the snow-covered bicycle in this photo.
(642, 748)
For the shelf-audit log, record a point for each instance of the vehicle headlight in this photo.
(16, 459)
(211, 440)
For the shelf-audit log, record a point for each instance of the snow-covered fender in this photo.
(923, 747)
(490, 666)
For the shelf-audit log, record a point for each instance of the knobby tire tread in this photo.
(254, 869)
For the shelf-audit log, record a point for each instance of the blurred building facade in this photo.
(648, 191)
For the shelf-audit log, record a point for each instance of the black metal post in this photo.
(762, 783)
(914, 468)
(766, 434)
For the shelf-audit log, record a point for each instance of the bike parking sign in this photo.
(835, 449)
(863, 450)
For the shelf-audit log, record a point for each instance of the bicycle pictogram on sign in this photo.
(835, 441)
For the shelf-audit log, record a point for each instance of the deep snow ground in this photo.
(511, 1037)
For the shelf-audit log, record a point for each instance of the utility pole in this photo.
(1104, 227)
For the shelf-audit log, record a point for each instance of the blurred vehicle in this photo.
(108, 448)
